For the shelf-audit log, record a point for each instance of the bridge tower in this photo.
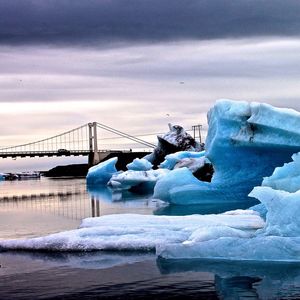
(94, 157)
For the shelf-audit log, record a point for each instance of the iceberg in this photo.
(101, 173)
(139, 164)
(245, 142)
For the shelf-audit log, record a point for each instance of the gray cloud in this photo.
(92, 22)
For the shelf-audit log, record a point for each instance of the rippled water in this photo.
(38, 207)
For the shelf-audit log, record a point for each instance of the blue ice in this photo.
(245, 142)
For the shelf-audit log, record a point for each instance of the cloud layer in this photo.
(136, 65)
(100, 23)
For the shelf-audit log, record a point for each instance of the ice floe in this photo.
(134, 232)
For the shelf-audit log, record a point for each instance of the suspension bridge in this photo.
(83, 140)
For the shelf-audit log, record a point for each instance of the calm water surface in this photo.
(39, 207)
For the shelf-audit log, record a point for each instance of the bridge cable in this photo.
(123, 134)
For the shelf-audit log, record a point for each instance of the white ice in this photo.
(139, 164)
(172, 159)
(129, 179)
(134, 232)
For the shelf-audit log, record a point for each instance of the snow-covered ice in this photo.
(144, 179)
(172, 159)
(177, 139)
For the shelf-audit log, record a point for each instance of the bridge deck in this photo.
(54, 153)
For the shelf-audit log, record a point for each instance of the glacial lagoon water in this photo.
(39, 207)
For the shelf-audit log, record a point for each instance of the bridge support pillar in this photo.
(94, 157)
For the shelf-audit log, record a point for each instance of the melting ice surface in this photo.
(141, 232)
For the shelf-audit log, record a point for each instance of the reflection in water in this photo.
(95, 207)
(39, 207)
(239, 287)
(111, 195)
(96, 275)
(205, 208)
(240, 280)
(83, 260)
(141, 274)
(73, 205)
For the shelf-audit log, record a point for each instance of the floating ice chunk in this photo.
(286, 178)
(129, 179)
(245, 142)
(172, 159)
(139, 164)
(101, 173)
(132, 232)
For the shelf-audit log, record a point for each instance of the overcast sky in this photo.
(137, 65)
